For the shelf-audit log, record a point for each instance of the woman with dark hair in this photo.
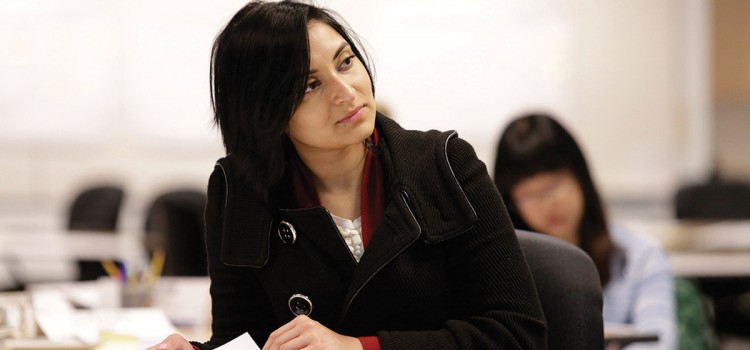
(328, 226)
(543, 176)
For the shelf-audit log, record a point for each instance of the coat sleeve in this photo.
(496, 303)
(239, 303)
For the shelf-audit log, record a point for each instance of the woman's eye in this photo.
(346, 63)
(312, 85)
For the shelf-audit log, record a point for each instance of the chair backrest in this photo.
(96, 208)
(713, 200)
(174, 224)
(569, 290)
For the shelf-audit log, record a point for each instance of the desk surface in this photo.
(96, 312)
(617, 336)
(702, 249)
(51, 243)
(710, 264)
(32, 253)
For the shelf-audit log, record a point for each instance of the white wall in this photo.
(629, 77)
(112, 89)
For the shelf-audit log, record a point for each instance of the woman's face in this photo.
(552, 203)
(338, 109)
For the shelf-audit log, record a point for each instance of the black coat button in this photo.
(287, 233)
(300, 304)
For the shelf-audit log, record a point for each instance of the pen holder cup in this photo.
(137, 295)
(16, 317)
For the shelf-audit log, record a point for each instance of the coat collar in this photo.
(435, 197)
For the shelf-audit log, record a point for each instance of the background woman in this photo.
(543, 176)
(331, 227)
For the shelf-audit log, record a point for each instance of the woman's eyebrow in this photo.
(343, 46)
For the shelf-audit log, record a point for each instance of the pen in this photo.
(123, 272)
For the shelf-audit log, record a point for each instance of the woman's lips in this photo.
(353, 116)
(555, 221)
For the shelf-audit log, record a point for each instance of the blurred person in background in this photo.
(542, 174)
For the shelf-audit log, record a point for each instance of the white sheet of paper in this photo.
(174, 294)
(148, 325)
(243, 342)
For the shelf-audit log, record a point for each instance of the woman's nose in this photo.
(343, 91)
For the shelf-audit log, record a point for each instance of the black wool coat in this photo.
(443, 269)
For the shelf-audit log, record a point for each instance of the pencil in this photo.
(157, 263)
(112, 269)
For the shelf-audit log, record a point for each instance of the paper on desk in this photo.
(174, 294)
(243, 342)
(148, 325)
(102, 293)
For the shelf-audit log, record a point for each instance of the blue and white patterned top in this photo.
(641, 292)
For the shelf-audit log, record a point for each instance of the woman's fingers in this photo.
(284, 334)
(306, 333)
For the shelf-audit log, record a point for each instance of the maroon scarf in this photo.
(372, 202)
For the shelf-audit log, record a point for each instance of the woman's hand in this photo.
(305, 333)
(173, 342)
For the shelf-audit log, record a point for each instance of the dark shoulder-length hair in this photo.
(259, 67)
(537, 143)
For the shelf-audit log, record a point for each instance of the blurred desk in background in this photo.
(50, 244)
(41, 254)
(710, 264)
(88, 314)
(186, 300)
(700, 248)
(617, 336)
(715, 255)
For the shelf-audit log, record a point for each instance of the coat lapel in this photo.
(316, 226)
(397, 230)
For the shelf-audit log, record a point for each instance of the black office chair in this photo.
(174, 225)
(569, 289)
(715, 200)
(96, 208)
